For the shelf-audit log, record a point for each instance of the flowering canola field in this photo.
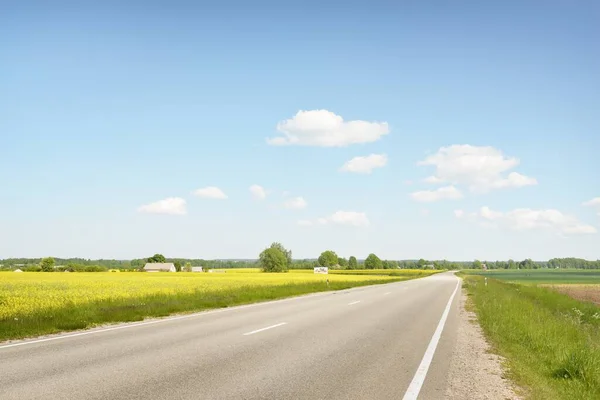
(36, 303)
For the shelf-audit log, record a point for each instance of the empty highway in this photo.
(391, 341)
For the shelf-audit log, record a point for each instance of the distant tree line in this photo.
(328, 258)
(565, 263)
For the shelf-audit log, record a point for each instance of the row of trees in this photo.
(328, 259)
(48, 264)
(277, 258)
(571, 263)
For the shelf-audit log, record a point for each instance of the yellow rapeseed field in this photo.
(37, 293)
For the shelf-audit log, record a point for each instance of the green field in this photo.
(551, 341)
(534, 276)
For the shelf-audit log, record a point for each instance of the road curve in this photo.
(361, 343)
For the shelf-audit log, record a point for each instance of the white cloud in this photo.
(348, 218)
(432, 179)
(296, 203)
(171, 205)
(365, 164)
(258, 192)
(528, 219)
(481, 169)
(443, 193)
(595, 202)
(323, 128)
(210, 192)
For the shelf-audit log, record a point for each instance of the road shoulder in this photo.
(475, 372)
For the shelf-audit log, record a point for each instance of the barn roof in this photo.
(158, 266)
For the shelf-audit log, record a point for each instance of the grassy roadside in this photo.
(73, 316)
(551, 341)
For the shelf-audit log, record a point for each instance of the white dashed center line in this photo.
(264, 329)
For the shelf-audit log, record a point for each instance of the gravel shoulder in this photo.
(475, 373)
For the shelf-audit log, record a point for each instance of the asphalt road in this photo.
(362, 343)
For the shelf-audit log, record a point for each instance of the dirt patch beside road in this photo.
(583, 292)
(475, 373)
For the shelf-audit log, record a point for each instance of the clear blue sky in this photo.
(108, 109)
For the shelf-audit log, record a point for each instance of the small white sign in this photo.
(321, 270)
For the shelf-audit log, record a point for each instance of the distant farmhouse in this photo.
(197, 269)
(159, 267)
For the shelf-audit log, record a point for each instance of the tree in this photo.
(328, 259)
(527, 264)
(47, 264)
(272, 259)
(286, 253)
(352, 263)
(373, 262)
(157, 258)
(342, 262)
(476, 264)
(177, 265)
(187, 267)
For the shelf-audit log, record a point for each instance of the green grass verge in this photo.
(551, 341)
(97, 313)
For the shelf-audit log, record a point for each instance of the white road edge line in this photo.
(264, 329)
(354, 302)
(417, 382)
(386, 293)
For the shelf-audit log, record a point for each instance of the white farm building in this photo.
(159, 267)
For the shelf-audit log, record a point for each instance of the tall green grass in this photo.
(551, 341)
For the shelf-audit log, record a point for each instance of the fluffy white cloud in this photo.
(595, 202)
(349, 218)
(433, 179)
(171, 205)
(210, 192)
(527, 219)
(258, 192)
(326, 129)
(481, 169)
(365, 164)
(296, 203)
(443, 193)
